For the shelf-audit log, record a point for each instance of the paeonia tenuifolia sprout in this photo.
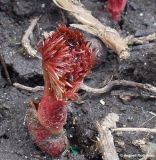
(115, 7)
(66, 59)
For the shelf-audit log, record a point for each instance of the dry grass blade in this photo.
(105, 89)
(25, 39)
(109, 36)
(30, 89)
(140, 40)
(105, 138)
(149, 130)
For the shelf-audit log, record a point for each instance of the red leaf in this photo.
(67, 59)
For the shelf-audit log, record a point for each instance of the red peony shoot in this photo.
(115, 7)
(66, 59)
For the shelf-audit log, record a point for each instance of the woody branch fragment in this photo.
(108, 35)
(105, 138)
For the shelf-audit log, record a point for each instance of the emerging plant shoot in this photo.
(66, 59)
(115, 7)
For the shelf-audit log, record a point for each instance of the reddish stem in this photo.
(115, 7)
(47, 88)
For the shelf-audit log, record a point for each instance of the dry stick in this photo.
(130, 156)
(147, 121)
(105, 138)
(31, 89)
(114, 83)
(105, 89)
(2, 61)
(25, 40)
(149, 130)
(140, 40)
(130, 40)
(108, 35)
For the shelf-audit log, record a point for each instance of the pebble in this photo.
(70, 136)
(151, 137)
(102, 102)
(130, 119)
(43, 5)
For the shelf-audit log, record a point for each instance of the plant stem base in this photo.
(54, 145)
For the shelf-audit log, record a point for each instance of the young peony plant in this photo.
(66, 59)
(115, 7)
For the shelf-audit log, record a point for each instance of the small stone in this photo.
(102, 102)
(139, 142)
(141, 14)
(133, 6)
(151, 137)
(43, 5)
(121, 143)
(70, 136)
(23, 8)
(130, 119)
(125, 98)
(79, 102)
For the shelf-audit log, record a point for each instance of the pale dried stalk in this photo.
(105, 89)
(25, 39)
(105, 138)
(140, 40)
(132, 156)
(114, 83)
(149, 130)
(109, 36)
(31, 89)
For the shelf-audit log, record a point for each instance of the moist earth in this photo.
(138, 19)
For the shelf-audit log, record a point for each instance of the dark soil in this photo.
(138, 19)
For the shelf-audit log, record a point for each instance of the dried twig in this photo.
(147, 121)
(132, 156)
(140, 40)
(105, 89)
(115, 83)
(108, 35)
(105, 138)
(149, 130)
(2, 61)
(31, 89)
(25, 40)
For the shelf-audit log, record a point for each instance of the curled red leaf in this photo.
(67, 59)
